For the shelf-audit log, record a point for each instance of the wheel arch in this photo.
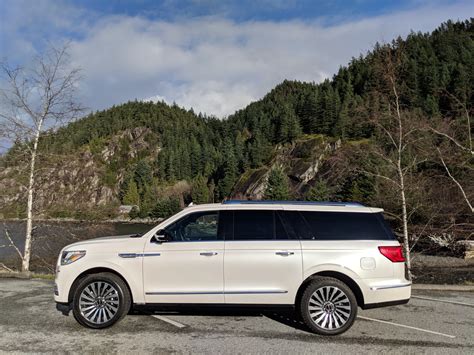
(97, 270)
(336, 275)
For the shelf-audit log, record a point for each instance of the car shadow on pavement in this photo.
(286, 316)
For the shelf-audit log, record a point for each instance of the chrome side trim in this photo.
(127, 255)
(253, 292)
(183, 293)
(376, 288)
(217, 293)
(137, 255)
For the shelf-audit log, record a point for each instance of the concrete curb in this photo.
(25, 276)
(14, 275)
(430, 287)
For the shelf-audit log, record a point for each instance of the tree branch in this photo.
(6, 267)
(452, 140)
(456, 182)
(7, 235)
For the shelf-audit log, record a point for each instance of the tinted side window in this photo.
(385, 226)
(226, 225)
(253, 225)
(346, 226)
(200, 226)
(295, 225)
(282, 231)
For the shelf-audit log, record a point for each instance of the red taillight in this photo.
(394, 254)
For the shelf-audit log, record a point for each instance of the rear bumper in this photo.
(385, 304)
(386, 293)
(390, 286)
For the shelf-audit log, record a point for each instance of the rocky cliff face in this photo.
(74, 181)
(301, 161)
(81, 180)
(91, 178)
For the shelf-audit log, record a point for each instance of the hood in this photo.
(101, 240)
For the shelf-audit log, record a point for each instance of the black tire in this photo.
(116, 300)
(325, 315)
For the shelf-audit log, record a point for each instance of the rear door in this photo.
(262, 263)
(347, 239)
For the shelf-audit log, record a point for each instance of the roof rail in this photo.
(270, 202)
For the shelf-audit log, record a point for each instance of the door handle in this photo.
(284, 253)
(208, 253)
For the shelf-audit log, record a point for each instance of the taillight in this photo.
(393, 253)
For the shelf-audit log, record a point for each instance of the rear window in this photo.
(345, 226)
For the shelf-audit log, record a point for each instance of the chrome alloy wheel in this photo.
(99, 302)
(329, 307)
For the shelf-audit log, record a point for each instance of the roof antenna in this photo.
(191, 204)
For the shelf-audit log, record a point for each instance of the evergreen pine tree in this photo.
(165, 208)
(196, 158)
(229, 172)
(319, 192)
(143, 176)
(277, 186)
(313, 118)
(131, 196)
(200, 190)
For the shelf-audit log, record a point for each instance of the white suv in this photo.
(323, 259)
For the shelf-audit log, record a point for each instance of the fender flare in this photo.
(107, 266)
(337, 271)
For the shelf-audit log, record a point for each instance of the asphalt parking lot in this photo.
(433, 322)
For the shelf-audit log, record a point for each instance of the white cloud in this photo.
(218, 66)
(26, 26)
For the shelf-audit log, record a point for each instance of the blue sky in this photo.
(245, 10)
(214, 56)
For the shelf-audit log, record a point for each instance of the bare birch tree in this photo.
(396, 140)
(33, 100)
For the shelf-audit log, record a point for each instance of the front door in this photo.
(262, 263)
(189, 267)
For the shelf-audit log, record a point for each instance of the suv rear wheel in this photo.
(100, 300)
(328, 306)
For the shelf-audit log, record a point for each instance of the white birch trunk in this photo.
(29, 209)
(406, 240)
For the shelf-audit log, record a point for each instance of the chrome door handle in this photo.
(208, 253)
(284, 253)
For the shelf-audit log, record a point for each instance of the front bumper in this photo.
(63, 281)
(64, 308)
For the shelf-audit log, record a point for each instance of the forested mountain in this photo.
(158, 156)
(430, 64)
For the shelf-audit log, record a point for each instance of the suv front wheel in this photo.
(328, 306)
(100, 300)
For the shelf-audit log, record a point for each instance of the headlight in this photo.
(69, 257)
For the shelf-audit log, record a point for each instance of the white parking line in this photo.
(407, 326)
(444, 301)
(167, 320)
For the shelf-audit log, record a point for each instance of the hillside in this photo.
(158, 156)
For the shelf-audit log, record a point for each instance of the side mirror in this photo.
(161, 236)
